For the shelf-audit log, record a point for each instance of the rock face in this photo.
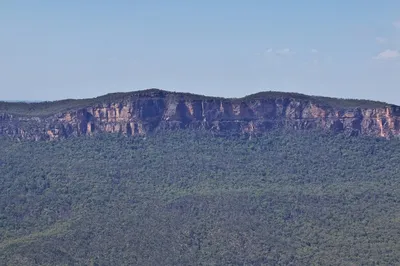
(144, 112)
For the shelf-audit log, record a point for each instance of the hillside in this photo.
(190, 198)
(148, 111)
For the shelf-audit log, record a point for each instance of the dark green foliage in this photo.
(43, 109)
(187, 198)
(327, 102)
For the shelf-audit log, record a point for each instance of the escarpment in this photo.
(144, 112)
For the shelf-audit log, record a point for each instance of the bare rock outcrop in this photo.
(144, 112)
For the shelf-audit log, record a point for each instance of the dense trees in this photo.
(188, 198)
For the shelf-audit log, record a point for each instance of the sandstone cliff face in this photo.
(159, 110)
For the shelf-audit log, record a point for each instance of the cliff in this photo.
(144, 112)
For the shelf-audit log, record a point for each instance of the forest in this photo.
(187, 197)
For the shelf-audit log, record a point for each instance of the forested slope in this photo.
(189, 198)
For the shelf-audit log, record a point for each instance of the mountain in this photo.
(148, 111)
(269, 179)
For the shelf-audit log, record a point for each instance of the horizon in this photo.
(196, 94)
(220, 49)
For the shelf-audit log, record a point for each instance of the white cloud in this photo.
(284, 52)
(397, 24)
(388, 55)
(266, 52)
(314, 51)
(280, 52)
(380, 40)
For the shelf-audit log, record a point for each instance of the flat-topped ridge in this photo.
(47, 108)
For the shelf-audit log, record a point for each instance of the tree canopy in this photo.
(190, 198)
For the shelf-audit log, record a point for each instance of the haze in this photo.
(76, 49)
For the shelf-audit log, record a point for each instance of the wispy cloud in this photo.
(284, 52)
(388, 55)
(381, 40)
(280, 52)
(397, 24)
(314, 51)
(112, 58)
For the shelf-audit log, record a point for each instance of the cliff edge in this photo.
(147, 111)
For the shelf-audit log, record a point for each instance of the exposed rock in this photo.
(140, 113)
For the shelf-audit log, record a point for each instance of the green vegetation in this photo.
(188, 198)
(43, 109)
(328, 102)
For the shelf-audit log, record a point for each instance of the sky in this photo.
(53, 50)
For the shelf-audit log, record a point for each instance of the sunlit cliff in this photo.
(144, 112)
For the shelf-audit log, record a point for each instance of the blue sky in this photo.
(72, 49)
